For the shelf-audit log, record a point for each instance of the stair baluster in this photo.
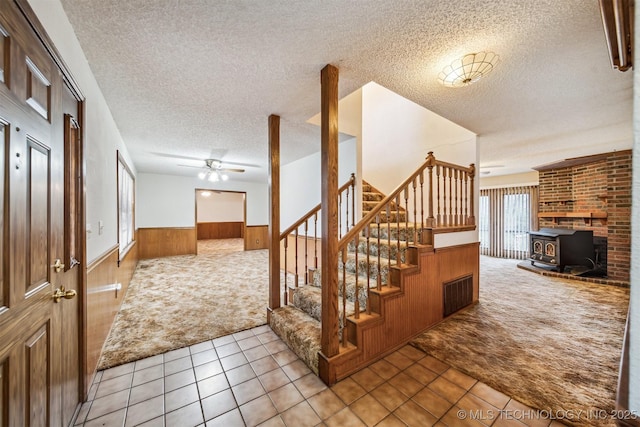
(296, 258)
(415, 212)
(368, 231)
(286, 284)
(439, 218)
(306, 252)
(398, 255)
(379, 273)
(344, 295)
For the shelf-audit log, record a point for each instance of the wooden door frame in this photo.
(244, 209)
(74, 88)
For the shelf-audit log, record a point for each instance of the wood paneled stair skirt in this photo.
(390, 279)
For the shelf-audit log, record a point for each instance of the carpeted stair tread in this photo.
(387, 249)
(405, 230)
(309, 300)
(372, 267)
(372, 196)
(300, 332)
(394, 216)
(350, 279)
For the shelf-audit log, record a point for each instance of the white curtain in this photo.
(506, 216)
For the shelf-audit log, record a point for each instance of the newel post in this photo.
(431, 162)
(329, 218)
(472, 214)
(274, 214)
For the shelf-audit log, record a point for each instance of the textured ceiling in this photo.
(198, 78)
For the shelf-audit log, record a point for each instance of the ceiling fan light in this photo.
(214, 177)
(224, 177)
(202, 175)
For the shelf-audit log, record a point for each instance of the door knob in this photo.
(63, 293)
(58, 265)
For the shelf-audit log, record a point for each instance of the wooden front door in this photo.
(39, 334)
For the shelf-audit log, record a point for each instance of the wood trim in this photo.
(220, 230)
(102, 303)
(158, 242)
(577, 161)
(329, 212)
(274, 214)
(93, 264)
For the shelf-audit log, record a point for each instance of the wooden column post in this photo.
(329, 212)
(472, 213)
(274, 214)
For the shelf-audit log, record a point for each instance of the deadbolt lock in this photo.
(58, 265)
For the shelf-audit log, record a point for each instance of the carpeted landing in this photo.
(550, 343)
(178, 301)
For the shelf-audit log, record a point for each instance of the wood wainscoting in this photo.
(166, 241)
(107, 284)
(256, 237)
(220, 230)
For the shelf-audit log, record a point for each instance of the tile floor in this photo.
(251, 378)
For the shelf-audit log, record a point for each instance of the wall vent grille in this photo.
(457, 294)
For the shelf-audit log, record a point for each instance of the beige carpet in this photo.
(177, 301)
(550, 343)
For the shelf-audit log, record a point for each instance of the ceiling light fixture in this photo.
(468, 69)
(213, 176)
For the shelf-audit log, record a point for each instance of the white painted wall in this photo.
(220, 207)
(102, 137)
(300, 182)
(169, 200)
(634, 323)
(397, 135)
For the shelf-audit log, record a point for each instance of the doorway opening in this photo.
(221, 218)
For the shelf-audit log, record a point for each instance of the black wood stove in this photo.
(560, 247)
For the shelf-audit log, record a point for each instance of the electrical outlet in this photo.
(257, 241)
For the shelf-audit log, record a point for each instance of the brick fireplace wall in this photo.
(603, 185)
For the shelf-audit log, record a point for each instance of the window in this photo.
(517, 222)
(506, 216)
(126, 207)
(483, 222)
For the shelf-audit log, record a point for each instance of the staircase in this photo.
(298, 323)
(390, 284)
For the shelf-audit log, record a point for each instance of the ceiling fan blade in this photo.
(191, 166)
(176, 156)
(248, 165)
(231, 170)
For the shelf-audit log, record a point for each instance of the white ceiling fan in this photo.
(214, 170)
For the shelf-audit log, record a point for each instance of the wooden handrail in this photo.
(315, 210)
(430, 162)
